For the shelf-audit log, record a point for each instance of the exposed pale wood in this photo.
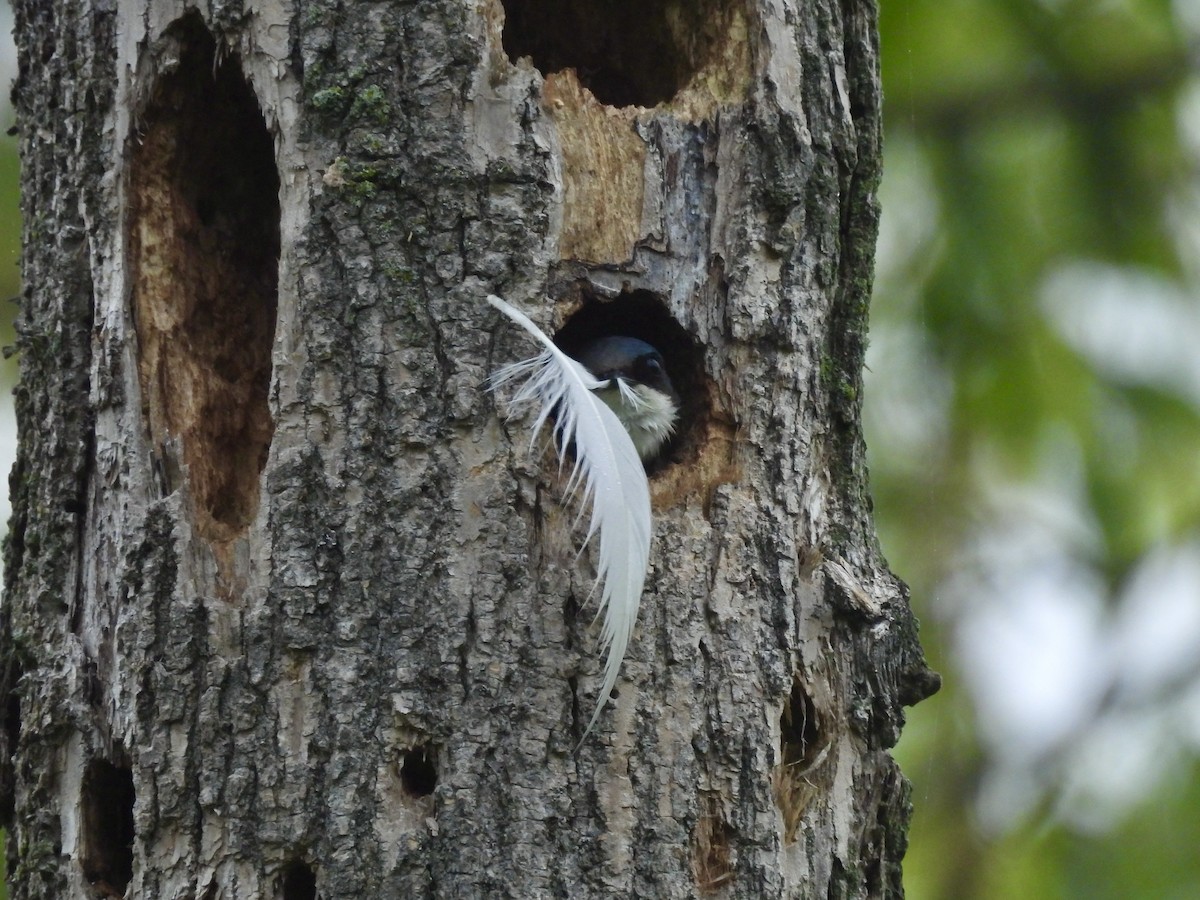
(603, 159)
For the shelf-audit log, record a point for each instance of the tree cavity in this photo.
(626, 52)
(204, 251)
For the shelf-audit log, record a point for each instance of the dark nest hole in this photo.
(418, 771)
(800, 729)
(299, 881)
(626, 52)
(804, 745)
(642, 314)
(106, 851)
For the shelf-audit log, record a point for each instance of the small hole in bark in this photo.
(626, 52)
(204, 252)
(299, 881)
(804, 745)
(643, 315)
(106, 848)
(418, 774)
(712, 856)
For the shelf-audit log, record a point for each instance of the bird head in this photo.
(638, 389)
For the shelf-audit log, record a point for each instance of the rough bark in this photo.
(290, 608)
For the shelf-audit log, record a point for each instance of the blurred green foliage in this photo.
(1039, 157)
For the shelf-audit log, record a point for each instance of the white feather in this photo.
(608, 467)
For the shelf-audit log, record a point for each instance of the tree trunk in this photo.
(291, 610)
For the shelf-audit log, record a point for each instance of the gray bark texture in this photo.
(292, 609)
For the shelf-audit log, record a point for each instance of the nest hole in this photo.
(800, 729)
(804, 745)
(626, 52)
(204, 254)
(643, 315)
(299, 881)
(418, 771)
(106, 848)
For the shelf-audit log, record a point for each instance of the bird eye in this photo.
(649, 370)
(650, 364)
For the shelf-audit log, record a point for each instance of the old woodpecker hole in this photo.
(106, 847)
(643, 315)
(800, 728)
(418, 773)
(204, 248)
(626, 52)
(804, 744)
(299, 882)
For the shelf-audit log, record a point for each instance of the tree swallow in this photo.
(638, 389)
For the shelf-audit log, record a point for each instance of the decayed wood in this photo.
(603, 172)
(367, 675)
